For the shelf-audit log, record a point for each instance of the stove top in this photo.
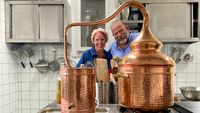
(178, 107)
(187, 106)
(125, 110)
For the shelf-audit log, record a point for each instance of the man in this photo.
(120, 47)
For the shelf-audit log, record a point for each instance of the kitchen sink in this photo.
(102, 110)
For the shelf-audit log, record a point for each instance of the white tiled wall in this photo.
(187, 73)
(9, 74)
(36, 89)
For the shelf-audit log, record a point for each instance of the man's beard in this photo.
(123, 39)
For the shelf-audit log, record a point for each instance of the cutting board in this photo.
(101, 70)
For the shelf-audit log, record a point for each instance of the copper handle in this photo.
(103, 21)
(122, 75)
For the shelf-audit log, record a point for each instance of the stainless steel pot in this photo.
(103, 92)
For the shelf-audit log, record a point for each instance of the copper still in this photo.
(146, 74)
(78, 90)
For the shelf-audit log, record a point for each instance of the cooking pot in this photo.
(146, 75)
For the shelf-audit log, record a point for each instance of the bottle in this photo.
(130, 16)
(133, 14)
(58, 96)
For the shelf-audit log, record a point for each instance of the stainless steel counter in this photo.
(179, 107)
(102, 108)
(52, 107)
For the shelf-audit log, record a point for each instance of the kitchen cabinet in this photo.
(35, 21)
(170, 20)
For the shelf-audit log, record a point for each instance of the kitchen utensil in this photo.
(188, 57)
(16, 49)
(113, 63)
(101, 69)
(112, 79)
(28, 52)
(191, 93)
(60, 60)
(103, 92)
(42, 65)
(176, 53)
(54, 65)
(145, 74)
(115, 94)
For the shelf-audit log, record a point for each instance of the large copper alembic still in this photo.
(145, 75)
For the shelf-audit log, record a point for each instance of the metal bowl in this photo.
(191, 93)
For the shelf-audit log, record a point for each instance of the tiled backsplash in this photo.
(187, 73)
(38, 89)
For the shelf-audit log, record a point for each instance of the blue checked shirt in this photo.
(118, 52)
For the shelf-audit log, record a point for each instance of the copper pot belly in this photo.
(147, 88)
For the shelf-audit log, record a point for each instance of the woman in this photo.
(99, 38)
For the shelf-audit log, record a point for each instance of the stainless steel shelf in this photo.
(132, 21)
(179, 40)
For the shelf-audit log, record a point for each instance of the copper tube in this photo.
(103, 21)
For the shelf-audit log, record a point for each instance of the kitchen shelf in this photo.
(179, 40)
(170, 21)
(132, 21)
(32, 22)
